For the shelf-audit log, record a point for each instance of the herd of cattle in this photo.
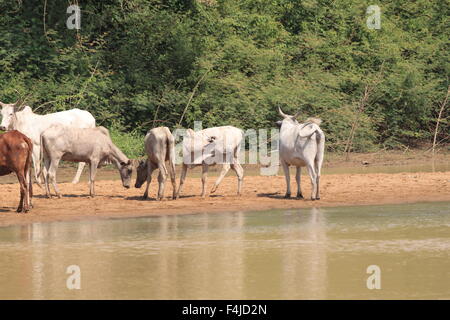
(44, 140)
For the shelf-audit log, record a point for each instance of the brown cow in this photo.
(15, 156)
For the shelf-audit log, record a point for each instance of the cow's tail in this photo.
(28, 166)
(170, 145)
(41, 159)
(171, 149)
(320, 137)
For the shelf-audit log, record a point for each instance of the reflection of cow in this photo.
(32, 125)
(91, 145)
(301, 145)
(219, 145)
(15, 156)
(160, 147)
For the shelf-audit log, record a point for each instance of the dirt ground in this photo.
(259, 193)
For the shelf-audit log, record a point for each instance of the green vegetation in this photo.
(135, 64)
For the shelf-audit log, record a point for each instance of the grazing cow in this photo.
(219, 145)
(160, 147)
(90, 145)
(301, 145)
(32, 125)
(15, 156)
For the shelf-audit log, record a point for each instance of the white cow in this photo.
(160, 147)
(219, 145)
(301, 145)
(32, 125)
(91, 145)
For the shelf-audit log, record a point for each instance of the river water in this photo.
(278, 254)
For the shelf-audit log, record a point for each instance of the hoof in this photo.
(287, 195)
(318, 198)
(313, 199)
(300, 196)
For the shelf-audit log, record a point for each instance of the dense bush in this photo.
(137, 63)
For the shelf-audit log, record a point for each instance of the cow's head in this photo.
(126, 170)
(141, 173)
(8, 115)
(288, 118)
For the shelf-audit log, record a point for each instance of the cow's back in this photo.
(80, 141)
(74, 118)
(33, 125)
(227, 138)
(157, 142)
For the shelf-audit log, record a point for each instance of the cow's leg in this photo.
(298, 178)
(26, 205)
(313, 177)
(30, 188)
(225, 168)
(46, 165)
(81, 165)
(35, 155)
(23, 191)
(52, 175)
(182, 178)
(92, 171)
(287, 177)
(173, 179)
(205, 169)
(240, 174)
(150, 170)
(317, 188)
(162, 176)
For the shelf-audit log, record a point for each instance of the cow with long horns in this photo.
(301, 145)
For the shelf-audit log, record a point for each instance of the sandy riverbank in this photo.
(259, 193)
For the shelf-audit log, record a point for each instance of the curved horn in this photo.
(282, 114)
(18, 103)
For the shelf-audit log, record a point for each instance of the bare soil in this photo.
(365, 179)
(259, 193)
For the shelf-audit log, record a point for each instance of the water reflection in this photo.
(295, 254)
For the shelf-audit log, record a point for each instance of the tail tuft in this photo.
(314, 120)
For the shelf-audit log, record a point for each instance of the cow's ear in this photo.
(129, 162)
(123, 164)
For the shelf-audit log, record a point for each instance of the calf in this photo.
(219, 145)
(15, 156)
(90, 145)
(160, 147)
